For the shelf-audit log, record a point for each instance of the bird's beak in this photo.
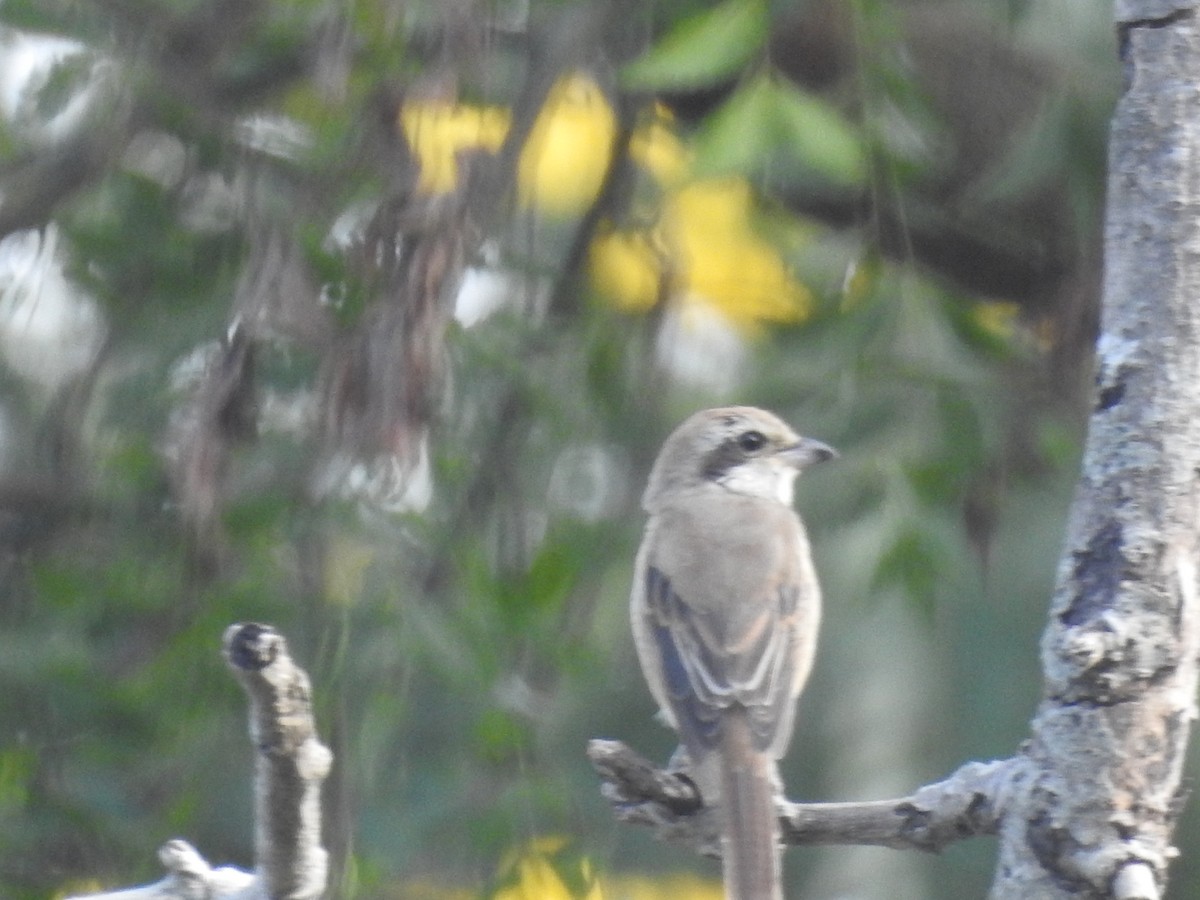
(806, 452)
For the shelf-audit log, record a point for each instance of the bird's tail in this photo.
(750, 836)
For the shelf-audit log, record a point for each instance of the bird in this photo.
(725, 608)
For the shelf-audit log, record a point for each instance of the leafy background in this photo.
(365, 319)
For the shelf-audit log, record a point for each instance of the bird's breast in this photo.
(724, 552)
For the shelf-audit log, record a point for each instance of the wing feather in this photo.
(707, 669)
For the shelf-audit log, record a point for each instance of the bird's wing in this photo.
(709, 664)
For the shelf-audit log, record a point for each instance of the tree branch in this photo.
(1121, 645)
(969, 802)
(291, 765)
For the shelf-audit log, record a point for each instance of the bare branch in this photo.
(969, 802)
(291, 765)
(189, 876)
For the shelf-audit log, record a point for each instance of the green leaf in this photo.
(814, 133)
(500, 735)
(704, 49)
(912, 563)
(740, 136)
(18, 771)
(769, 119)
(552, 575)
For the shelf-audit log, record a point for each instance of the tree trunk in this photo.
(1093, 813)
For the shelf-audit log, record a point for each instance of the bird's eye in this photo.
(752, 441)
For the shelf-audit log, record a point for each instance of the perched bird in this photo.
(725, 609)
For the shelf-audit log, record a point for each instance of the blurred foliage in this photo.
(396, 303)
(703, 48)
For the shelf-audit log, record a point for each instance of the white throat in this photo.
(766, 478)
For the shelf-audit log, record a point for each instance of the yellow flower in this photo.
(537, 873)
(704, 251)
(437, 132)
(535, 887)
(724, 262)
(657, 148)
(626, 267)
(562, 164)
(564, 161)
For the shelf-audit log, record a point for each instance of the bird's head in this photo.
(745, 450)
